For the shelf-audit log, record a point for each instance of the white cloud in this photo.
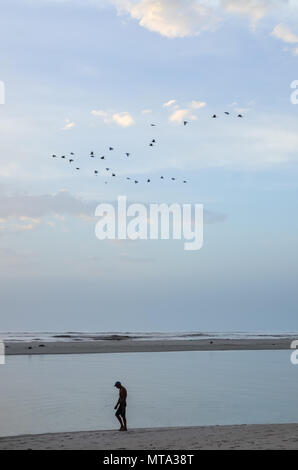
(254, 9)
(123, 119)
(197, 104)
(99, 113)
(169, 103)
(180, 115)
(283, 32)
(69, 125)
(171, 18)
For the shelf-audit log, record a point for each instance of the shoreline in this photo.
(131, 345)
(252, 436)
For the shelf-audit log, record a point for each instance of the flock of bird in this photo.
(71, 157)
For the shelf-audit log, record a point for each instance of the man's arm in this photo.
(117, 404)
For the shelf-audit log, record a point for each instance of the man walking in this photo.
(121, 405)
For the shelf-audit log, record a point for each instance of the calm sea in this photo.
(52, 393)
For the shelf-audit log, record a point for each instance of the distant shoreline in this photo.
(234, 437)
(126, 345)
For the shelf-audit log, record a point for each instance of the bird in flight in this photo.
(127, 154)
(70, 160)
(173, 179)
(227, 113)
(71, 153)
(153, 125)
(102, 158)
(240, 116)
(54, 156)
(62, 156)
(185, 122)
(95, 172)
(214, 116)
(91, 154)
(111, 148)
(77, 168)
(148, 181)
(113, 174)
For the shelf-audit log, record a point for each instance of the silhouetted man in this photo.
(121, 405)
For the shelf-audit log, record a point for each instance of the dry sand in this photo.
(129, 345)
(256, 436)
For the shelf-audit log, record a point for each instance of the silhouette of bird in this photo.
(161, 177)
(214, 116)
(91, 154)
(70, 160)
(153, 141)
(153, 125)
(151, 145)
(148, 181)
(136, 181)
(185, 122)
(113, 174)
(71, 153)
(102, 158)
(54, 156)
(108, 169)
(173, 179)
(240, 116)
(184, 181)
(127, 154)
(128, 178)
(77, 168)
(111, 148)
(227, 113)
(62, 156)
(95, 172)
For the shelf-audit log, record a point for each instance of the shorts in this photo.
(121, 411)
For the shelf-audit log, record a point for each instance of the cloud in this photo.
(69, 125)
(169, 103)
(171, 18)
(123, 119)
(197, 104)
(180, 115)
(283, 32)
(29, 208)
(254, 9)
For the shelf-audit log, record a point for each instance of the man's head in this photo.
(117, 384)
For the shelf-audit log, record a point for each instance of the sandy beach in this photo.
(255, 437)
(129, 345)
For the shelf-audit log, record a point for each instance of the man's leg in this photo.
(120, 421)
(123, 416)
(124, 424)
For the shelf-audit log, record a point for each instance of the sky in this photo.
(83, 75)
